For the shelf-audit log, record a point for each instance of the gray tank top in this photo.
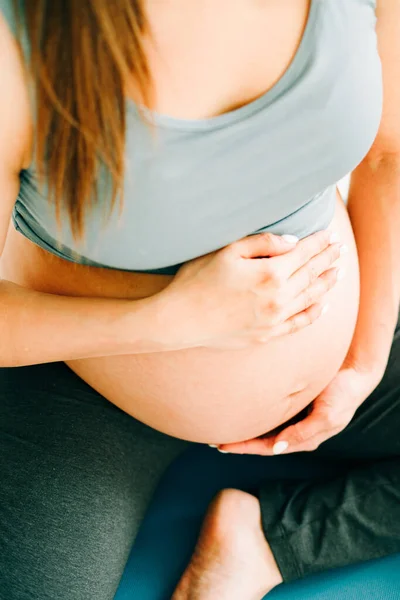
(271, 165)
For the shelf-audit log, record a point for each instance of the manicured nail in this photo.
(335, 237)
(343, 249)
(290, 239)
(280, 447)
(341, 274)
(325, 309)
(223, 451)
(213, 445)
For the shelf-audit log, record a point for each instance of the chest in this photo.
(310, 127)
(207, 58)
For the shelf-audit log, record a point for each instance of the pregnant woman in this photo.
(171, 237)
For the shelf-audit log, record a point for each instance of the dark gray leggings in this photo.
(76, 475)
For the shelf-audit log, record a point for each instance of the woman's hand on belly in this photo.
(327, 416)
(254, 290)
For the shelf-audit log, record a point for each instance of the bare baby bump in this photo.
(219, 396)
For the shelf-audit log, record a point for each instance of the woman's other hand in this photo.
(255, 289)
(327, 416)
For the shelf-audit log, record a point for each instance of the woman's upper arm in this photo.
(15, 125)
(387, 142)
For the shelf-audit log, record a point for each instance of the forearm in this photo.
(374, 208)
(39, 328)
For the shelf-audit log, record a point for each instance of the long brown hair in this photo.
(83, 54)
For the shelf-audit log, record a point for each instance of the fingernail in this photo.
(213, 445)
(290, 239)
(335, 237)
(341, 274)
(344, 249)
(223, 451)
(280, 447)
(325, 309)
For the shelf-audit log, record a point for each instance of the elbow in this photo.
(7, 359)
(383, 160)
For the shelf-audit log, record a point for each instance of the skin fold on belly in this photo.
(200, 394)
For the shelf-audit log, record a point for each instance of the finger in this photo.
(260, 446)
(309, 273)
(310, 445)
(290, 325)
(298, 321)
(306, 435)
(315, 293)
(264, 245)
(304, 251)
(303, 435)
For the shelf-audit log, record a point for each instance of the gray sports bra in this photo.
(271, 165)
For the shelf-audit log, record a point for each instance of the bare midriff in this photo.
(200, 394)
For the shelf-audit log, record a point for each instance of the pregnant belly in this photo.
(216, 396)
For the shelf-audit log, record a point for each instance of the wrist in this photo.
(140, 329)
(373, 368)
(371, 345)
(159, 323)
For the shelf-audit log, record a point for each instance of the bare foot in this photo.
(232, 560)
